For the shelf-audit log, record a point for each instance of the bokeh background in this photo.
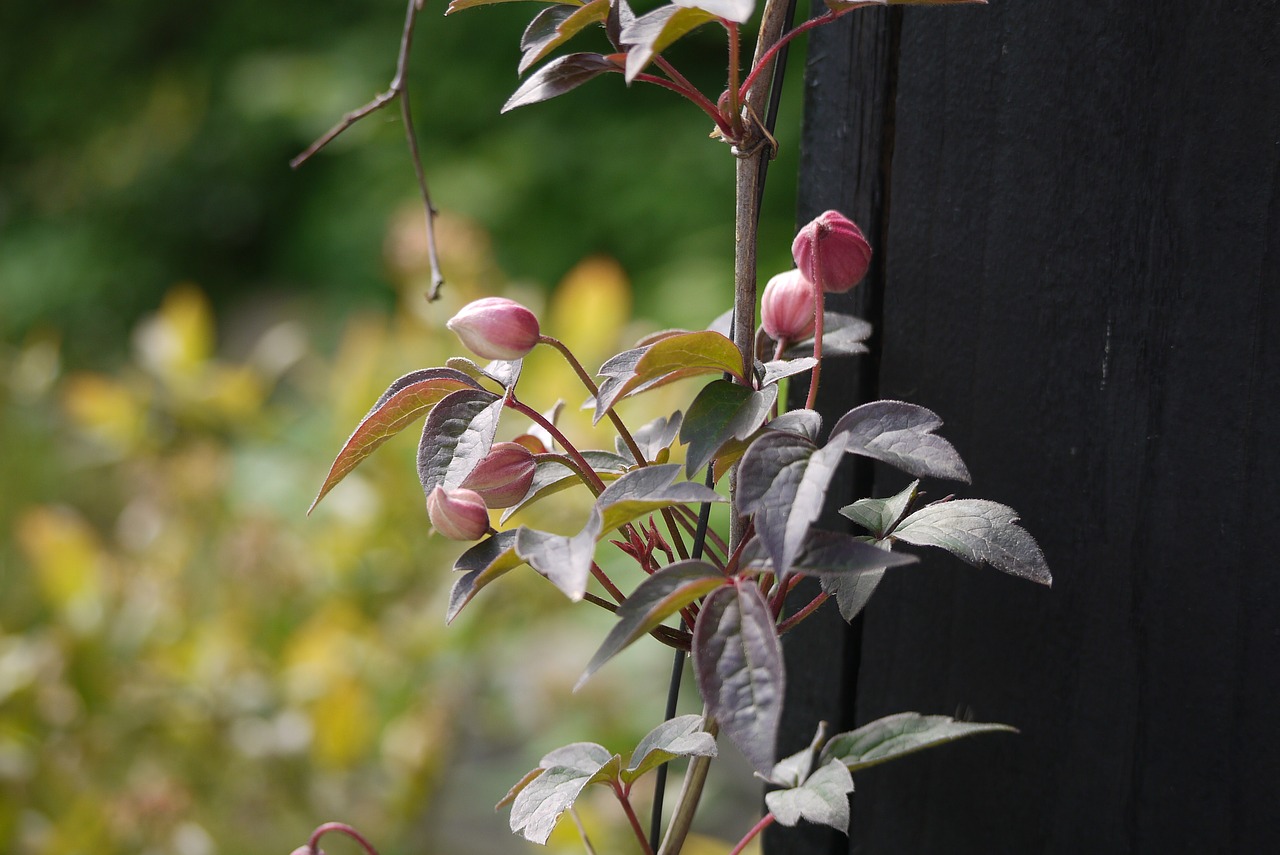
(188, 332)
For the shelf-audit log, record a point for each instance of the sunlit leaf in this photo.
(686, 354)
(682, 736)
(459, 5)
(642, 491)
(721, 412)
(879, 516)
(564, 560)
(558, 77)
(652, 33)
(554, 26)
(823, 798)
(901, 435)
(979, 532)
(480, 565)
(897, 735)
(738, 663)
(794, 770)
(805, 423)
(783, 481)
(738, 11)
(458, 434)
(842, 335)
(782, 368)
(620, 15)
(654, 437)
(405, 400)
(653, 601)
(567, 772)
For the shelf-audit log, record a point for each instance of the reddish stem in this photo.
(594, 481)
(765, 822)
(768, 55)
(818, 299)
(342, 828)
(809, 609)
(625, 801)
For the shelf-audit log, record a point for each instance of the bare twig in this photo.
(397, 90)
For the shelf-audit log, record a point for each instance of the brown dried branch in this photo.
(398, 90)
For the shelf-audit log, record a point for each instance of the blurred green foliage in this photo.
(188, 665)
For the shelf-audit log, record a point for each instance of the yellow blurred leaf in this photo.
(68, 562)
(590, 307)
(343, 722)
(178, 339)
(105, 408)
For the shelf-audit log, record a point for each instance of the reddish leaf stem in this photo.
(769, 54)
(342, 828)
(791, 622)
(589, 475)
(818, 300)
(691, 94)
(765, 822)
(625, 801)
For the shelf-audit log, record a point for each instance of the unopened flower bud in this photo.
(786, 309)
(503, 476)
(496, 328)
(458, 514)
(832, 252)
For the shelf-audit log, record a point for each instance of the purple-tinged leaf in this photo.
(684, 354)
(805, 423)
(879, 516)
(517, 787)
(780, 369)
(823, 798)
(897, 735)
(552, 476)
(643, 491)
(738, 11)
(738, 663)
(558, 77)
(653, 438)
(459, 5)
(721, 412)
(979, 532)
(620, 15)
(682, 736)
(852, 592)
(554, 26)
(901, 435)
(795, 770)
(654, 600)
(842, 335)
(504, 372)
(783, 481)
(480, 565)
(407, 399)
(565, 561)
(830, 553)
(566, 773)
(458, 434)
(652, 33)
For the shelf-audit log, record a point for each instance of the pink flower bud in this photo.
(503, 476)
(832, 252)
(458, 514)
(786, 309)
(496, 328)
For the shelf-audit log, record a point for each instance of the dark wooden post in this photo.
(1082, 277)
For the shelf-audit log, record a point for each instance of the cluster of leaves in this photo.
(728, 601)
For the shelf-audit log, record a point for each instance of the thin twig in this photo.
(397, 90)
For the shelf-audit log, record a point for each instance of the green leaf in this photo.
(408, 398)
(738, 663)
(682, 736)
(823, 798)
(783, 481)
(738, 11)
(554, 26)
(557, 77)
(879, 516)
(721, 412)
(565, 561)
(653, 438)
(481, 564)
(458, 434)
(685, 354)
(566, 773)
(977, 531)
(552, 476)
(897, 735)
(459, 5)
(654, 32)
(642, 491)
(901, 435)
(653, 601)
